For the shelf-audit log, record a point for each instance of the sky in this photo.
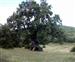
(65, 9)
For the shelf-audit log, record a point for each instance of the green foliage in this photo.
(34, 24)
(5, 37)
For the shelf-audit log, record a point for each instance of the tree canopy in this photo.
(34, 24)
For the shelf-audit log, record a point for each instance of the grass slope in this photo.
(52, 53)
(69, 31)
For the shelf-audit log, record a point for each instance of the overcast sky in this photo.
(65, 9)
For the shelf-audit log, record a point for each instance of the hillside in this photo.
(69, 31)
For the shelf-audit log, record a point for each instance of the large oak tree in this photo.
(35, 24)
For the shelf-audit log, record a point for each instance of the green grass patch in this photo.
(52, 53)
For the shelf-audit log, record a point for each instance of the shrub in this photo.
(73, 49)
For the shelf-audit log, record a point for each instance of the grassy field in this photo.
(52, 53)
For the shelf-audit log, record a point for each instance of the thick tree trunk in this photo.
(34, 43)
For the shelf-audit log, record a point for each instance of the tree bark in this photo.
(34, 43)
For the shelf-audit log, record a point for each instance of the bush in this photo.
(73, 49)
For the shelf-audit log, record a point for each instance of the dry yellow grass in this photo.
(52, 53)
